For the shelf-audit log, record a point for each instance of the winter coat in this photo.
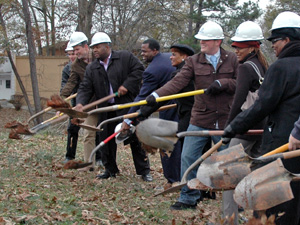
(247, 80)
(184, 105)
(155, 76)
(208, 109)
(279, 98)
(64, 79)
(123, 69)
(76, 75)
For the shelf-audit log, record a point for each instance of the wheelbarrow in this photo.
(266, 187)
(225, 169)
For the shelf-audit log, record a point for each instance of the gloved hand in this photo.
(151, 100)
(214, 88)
(228, 134)
(145, 111)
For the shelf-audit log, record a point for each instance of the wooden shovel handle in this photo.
(166, 107)
(48, 109)
(200, 160)
(291, 154)
(282, 148)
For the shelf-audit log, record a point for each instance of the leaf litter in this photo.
(35, 189)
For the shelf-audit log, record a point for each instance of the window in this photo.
(7, 84)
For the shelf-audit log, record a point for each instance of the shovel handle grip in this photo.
(282, 148)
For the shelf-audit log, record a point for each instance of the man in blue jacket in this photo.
(155, 76)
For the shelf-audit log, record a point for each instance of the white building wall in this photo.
(7, 79)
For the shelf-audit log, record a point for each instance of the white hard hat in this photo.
(77, 37)
(248, 31)
(210, 31)
(69, 47)
(286, 20)
(120, 137)
(100, 37)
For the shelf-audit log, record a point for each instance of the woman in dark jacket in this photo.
(184, 105)
(251, 70)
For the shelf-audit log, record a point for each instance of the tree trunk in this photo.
(37, 31)
(191, 14)
(44, 10)
(52, 22)
(85, 14)
(32, 54)
(13, 64)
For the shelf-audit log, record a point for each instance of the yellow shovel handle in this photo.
(282, 148)
(161, 99)
(52, 118)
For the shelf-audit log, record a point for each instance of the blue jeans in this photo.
(192, 150)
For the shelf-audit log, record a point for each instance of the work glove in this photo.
(228, 134)
(145, 111)
(214, 88)
(151, 100)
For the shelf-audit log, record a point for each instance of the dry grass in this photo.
(34, 188)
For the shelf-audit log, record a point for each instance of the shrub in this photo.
(17, 101)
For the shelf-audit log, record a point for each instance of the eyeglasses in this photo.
(275, 40)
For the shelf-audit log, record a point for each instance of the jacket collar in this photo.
(223, 57)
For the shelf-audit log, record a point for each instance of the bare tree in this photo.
(32, 54)
(86, 10)
(7, 48)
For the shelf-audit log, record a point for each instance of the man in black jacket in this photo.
(279, 98)
(113, 71)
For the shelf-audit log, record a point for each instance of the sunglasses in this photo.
(275, 40)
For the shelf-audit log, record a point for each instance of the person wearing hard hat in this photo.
(79, 43)
(252, 67)
(215, 69)
(278, 101)
(72, 128)
(111, 72)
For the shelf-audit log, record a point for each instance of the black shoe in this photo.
(147, 177)
(208, 194)
(182, 206)
(105, 175)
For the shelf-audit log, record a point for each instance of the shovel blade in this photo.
(265, 187)
(172, 189)
(73, 113)
(158, 133)
(224, 170)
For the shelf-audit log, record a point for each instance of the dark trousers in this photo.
(72, 140)
(171, 165)
(109, 151)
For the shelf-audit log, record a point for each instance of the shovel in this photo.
(131, 115)
(48, 109)
(183, 181)
(58, 119)
(265, 187)
(225, 169)
(163, 134)
(77, 114)
(102, 143)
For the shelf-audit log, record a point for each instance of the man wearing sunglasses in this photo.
(279, 98)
